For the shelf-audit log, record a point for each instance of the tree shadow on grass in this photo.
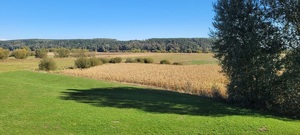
(150, 100)
(154, 101)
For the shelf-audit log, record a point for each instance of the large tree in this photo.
(248, 45)
(258, 45)
(286, 13)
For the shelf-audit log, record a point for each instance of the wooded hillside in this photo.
(183, 45)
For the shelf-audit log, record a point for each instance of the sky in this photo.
(116, 19)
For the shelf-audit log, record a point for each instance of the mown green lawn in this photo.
(43, 103)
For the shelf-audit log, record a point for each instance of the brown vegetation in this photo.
(195, 79)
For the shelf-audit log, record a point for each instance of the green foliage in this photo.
(130, 60)
(148, 60)
(79, 52)
(47, 64)
(141, 108)
(41, 53)
(189, 51)
(199, 51)
(238, 46)
(62, 53)
(104, 60)
(205, 50)
(115, 60)
(84, 62)
(134, 50)
(144, 51)
(286, 97)
(111, 45)
(4, 53)
(139, 60)
(32, 54)
(250, 39)
(95, 61)
(26, 48)
(177, 63)
(165, 62)
(20, 53)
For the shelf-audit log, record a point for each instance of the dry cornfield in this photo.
(195, 79)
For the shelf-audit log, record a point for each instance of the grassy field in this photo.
(32, 63)
(43, 103)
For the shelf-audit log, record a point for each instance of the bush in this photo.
(20, 53)
(177, 63)
(115, 60)
(47, 64)
(62, 53)
(4, 54)
(31, 53)
(165, 62)
(104, 60)
(95, 62)
(130, 60)
(41, 53)
(83, 62)
(140, 60)
(148, 60)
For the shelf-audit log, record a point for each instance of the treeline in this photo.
(175, 45)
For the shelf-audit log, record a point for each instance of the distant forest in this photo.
(180, 45)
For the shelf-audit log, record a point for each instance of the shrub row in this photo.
(150, 60)
(104, 60)
(168, 62)
(115, 60)
(83, 62)
(139, 60)
(165, 62)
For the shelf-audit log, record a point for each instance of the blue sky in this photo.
(117, 19)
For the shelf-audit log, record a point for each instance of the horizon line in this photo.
(94, 38)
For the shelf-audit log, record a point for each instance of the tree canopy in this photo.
(257, 43)
(183, 45)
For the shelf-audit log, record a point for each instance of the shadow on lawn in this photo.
(155, 101)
